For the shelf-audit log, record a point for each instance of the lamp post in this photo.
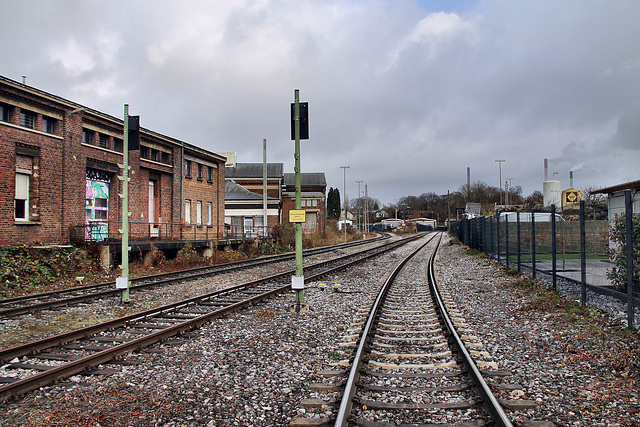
(510, 187)
(358, 213)
(344, 197)
(500, 181)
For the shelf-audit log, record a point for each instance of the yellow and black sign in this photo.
(571, 198)
(297, 215)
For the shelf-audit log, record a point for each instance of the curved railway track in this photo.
(48, 300)
(55, 358)
(411, 367)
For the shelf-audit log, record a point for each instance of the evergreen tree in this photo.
(333, 203)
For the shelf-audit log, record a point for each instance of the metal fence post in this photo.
(491, 237)
(583, 256)
(553, 246)
(518, 239)
(506, 240)
(533, 244)
(628, 208)
(498, 237)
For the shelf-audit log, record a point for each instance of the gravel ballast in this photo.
(255, 367)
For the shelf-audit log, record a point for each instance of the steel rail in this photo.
(489, 401)
(72, 367)
(346, 404)
(24, 349)
(156, 280)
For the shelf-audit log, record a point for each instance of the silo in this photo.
(551, 189)
(551, 193)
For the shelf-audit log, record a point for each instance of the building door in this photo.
(97, 205)
(154, 208)
(311, 223)
(248, 226)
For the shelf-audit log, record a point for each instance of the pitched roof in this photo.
(312, 178)
(628, 186)
(236, 192)
(253, 170)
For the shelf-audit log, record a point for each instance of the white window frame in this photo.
(209, 213)
(23, 180)
(199, 212)
(187, 211)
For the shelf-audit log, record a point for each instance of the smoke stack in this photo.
(546, 170)
(468, 179)
(571, 179)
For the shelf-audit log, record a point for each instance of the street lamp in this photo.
(358, 212)
(344, 191)
(500, 181)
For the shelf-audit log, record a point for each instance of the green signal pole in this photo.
(122, 282)
(299, 270)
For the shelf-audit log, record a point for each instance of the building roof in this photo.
(311, 178)
(65, 103)
(236, 192)
(253, 170)
(620, 187)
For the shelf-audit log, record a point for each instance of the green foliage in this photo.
(333, 203)
(285, 234)
(618, 234)
(22, 267)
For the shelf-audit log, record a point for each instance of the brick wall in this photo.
(59, 162)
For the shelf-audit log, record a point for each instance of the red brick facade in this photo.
(59, 159)
(312, 197)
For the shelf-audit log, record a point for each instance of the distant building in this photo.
(244, 212)
(615, 198)
(313, 199)
(251, 177)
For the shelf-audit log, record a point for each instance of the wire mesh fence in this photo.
(581, 251)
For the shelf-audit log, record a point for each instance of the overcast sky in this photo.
(408, 94)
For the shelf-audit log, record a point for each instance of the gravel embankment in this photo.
(253, 368)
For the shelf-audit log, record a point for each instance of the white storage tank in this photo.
(552, 193)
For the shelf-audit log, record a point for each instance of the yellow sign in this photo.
(571, 198)
(297, 215)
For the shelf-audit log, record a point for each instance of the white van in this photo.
(526, 217)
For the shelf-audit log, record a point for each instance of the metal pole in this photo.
(498, 237)
(518, 240)
(553, 245)
(299, 269)
(359, 210)
(583, 256)
(533, 244)
(506, 240)
(500, 181)
(264, 187)
(344, 198)
(366, 205)
(124, 267)
(629, 241)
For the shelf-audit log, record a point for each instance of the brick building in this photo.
(245, 213)
(313, 188)
(59, 167)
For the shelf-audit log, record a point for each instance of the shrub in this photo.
(618, 234)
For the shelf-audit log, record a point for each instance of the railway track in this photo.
(49, 300)
(83, 350)
(411, 366)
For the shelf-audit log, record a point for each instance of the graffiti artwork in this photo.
(97, 210)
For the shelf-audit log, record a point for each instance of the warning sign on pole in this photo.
(297, 215)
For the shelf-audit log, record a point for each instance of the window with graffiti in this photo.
(97, 205)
